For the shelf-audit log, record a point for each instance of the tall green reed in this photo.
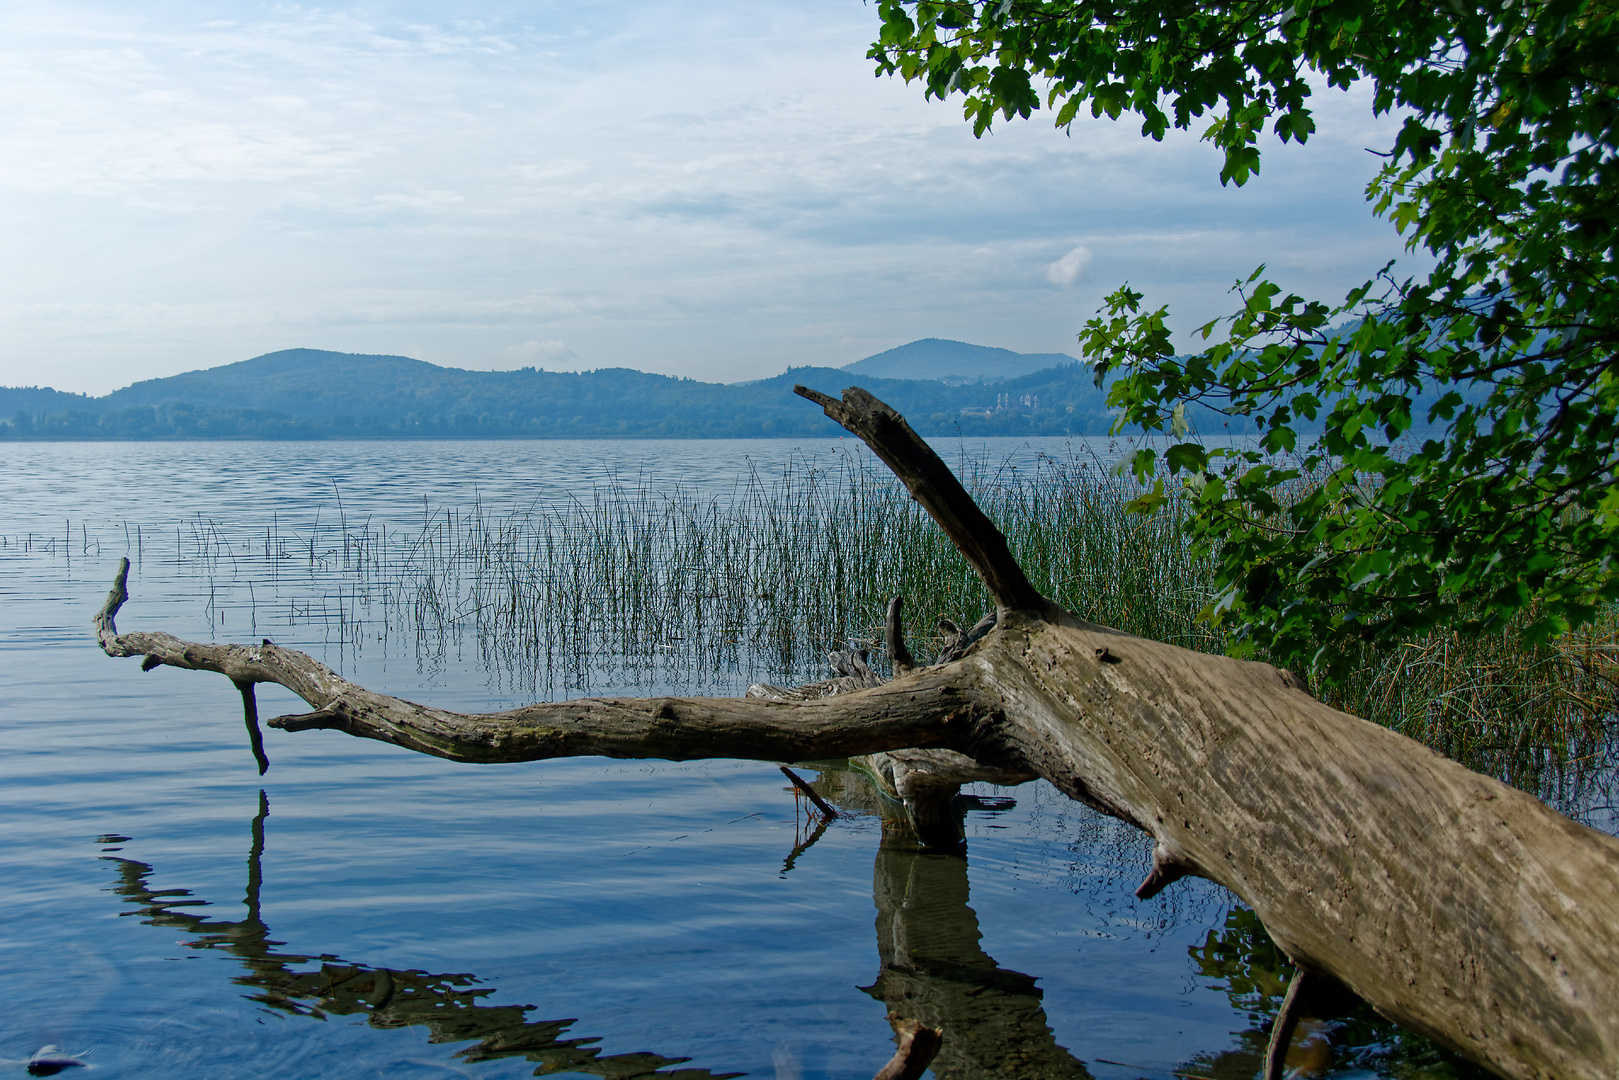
(787, 566)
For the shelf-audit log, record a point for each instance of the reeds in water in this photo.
(786, 567)
(629, 585)
(1540, 717)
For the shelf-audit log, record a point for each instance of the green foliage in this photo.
(1503, 170)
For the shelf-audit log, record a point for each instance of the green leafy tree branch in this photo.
(1464, 474)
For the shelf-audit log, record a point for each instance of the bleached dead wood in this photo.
(1456, 905)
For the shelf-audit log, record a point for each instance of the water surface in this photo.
(361, 910)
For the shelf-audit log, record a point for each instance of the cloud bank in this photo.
(554, 355)
(717, 190)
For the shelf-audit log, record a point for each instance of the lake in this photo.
(364, 911)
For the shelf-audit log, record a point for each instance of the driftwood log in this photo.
(1454, 904)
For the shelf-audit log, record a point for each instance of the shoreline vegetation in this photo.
(560, 405)
(794, 564)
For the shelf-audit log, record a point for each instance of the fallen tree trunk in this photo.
(1456, 905)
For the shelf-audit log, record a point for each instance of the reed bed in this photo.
(628, 585)
(1539, 717)
(779, 571)
(787, 567)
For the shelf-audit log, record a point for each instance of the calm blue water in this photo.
(365, 911)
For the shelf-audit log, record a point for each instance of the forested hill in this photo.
(954, 361)
(310, 393)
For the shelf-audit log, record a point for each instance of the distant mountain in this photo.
(305, 382)
(955, 361)
(314, 394)
(942, 388)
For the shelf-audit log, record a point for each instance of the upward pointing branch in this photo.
(932, 484)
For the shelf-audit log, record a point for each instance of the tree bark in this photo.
(1456, 905)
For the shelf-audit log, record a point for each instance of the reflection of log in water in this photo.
(449, 1005)
(935, 971)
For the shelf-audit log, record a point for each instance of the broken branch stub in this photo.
(918, 1045)
(899, 654)
(932, 484)
(1454, 904)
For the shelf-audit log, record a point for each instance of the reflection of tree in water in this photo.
(933, 970)
(1338, 1033)
(449, 1006)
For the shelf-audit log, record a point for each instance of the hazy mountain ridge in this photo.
(316, 394)
(310, 393)
(955, 361)
(302, 382)
(36, 399)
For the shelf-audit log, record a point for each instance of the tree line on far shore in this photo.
(331, 395)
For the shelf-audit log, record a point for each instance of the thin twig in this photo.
(803, 785)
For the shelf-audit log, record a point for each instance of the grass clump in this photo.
(1542, 718)
(786, 567)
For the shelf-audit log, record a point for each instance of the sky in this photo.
(719, 190)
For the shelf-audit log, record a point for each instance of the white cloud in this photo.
(545, 354)
(1070, 268)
